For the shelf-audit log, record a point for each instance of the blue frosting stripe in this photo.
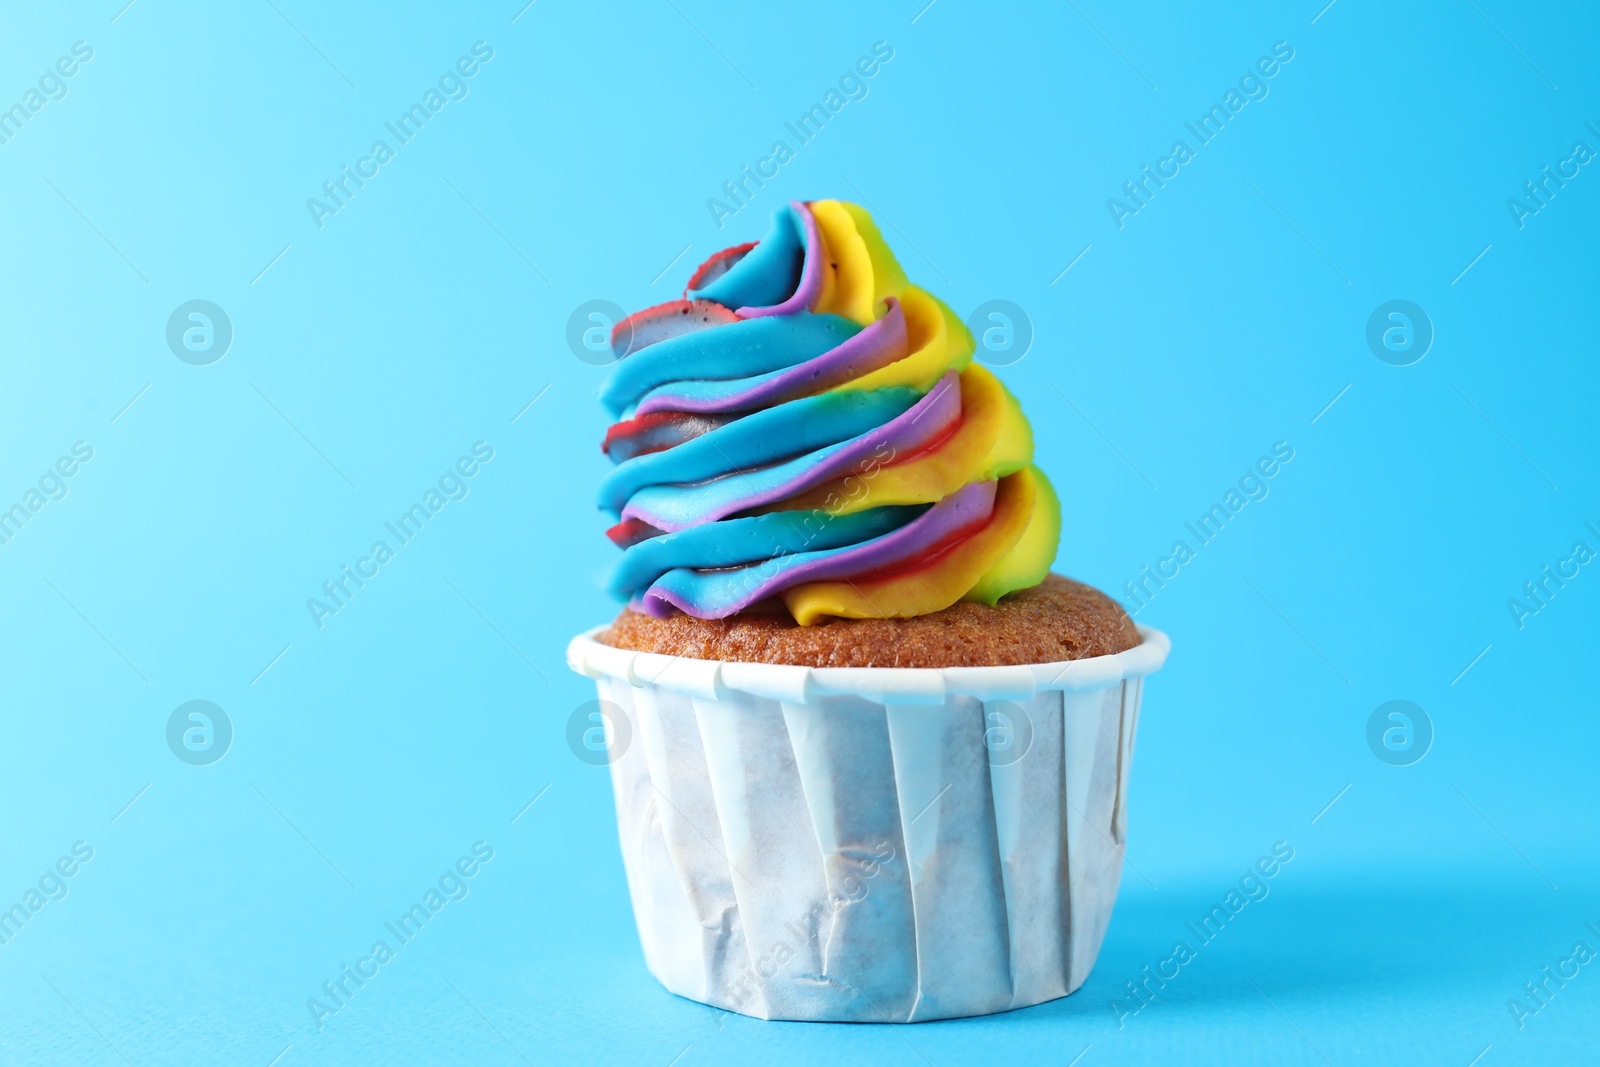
(674, 507)
(768, 273)
(714, 589)
(706, 393)
(717, 593)
(733, 350)
(758, 440)
(736, 542)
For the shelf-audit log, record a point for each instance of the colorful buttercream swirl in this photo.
(805, 430)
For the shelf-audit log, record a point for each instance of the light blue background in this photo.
(427, 314)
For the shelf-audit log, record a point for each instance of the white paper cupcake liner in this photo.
(870, 844)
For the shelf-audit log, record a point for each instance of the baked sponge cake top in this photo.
(1051, 622)
(803, 438)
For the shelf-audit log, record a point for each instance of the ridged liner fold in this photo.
(839, 844)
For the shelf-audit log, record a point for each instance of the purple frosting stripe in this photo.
(881, 343)
(810, 287)
(904, 435)
(966, 507)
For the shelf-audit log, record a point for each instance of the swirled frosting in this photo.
(805, 430)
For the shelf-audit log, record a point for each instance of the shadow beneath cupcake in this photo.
(1309, 960)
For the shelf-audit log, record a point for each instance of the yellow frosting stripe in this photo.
(937, 341)
(887, 277)
(839, 245)
(933, 586)
(1028, 561)
(848, 284)
(1013, 448)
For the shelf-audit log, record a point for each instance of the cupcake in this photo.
(870, 757)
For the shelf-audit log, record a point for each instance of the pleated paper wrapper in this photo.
(870, 844)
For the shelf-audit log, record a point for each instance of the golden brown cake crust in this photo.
(1059, 619)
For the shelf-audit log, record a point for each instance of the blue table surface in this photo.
(214, 489)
